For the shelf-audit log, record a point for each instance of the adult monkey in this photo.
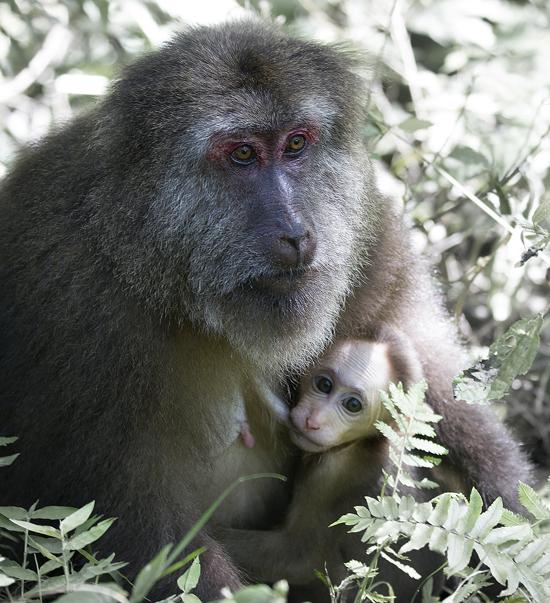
(214, 220)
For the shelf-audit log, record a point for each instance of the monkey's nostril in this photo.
(312, 425)
(292, 250)
(295, 241)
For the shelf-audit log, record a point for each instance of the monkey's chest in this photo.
(215, 395)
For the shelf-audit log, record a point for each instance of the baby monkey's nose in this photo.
(312, 424)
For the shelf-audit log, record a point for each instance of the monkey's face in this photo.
(262, 209)
(339, 400)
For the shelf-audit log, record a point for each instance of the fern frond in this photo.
(411, 437)
(517, 557)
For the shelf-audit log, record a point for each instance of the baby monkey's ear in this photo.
(402, 355)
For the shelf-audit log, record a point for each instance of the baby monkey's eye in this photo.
(323, 384)
(352, 404)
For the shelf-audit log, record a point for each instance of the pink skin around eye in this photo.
(222, 145)
(310, 134)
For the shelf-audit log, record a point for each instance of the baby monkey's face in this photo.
(339, 398)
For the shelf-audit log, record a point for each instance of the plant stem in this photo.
(367, 582)
(24, 562)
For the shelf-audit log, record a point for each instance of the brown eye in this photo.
(352, 404)
(323, 384)
(296, 144)
(243, 155)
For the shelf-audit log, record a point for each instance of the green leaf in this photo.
(542, 213)
(487, 520)
(38, 529)
(258, 593)
(184, 561)
(515, 352)
(83, 540)
(45, 550)
(5, 461)
(54, 513)
(389, 507)
(427, 446)
(94, 593)
(84, 597)
(533, 551)
(441, 510)
(412, 124)
(466, 590)
(501, 566)
(14, 570)
(418, 539)
(438, 540)
(96, 568)
(533, 502)
(509, 356)
(50, 565)
(5, 580)
(14, 513)
(190, 598)
(509, 518)
(501, 536)
(475, 507)
(190, 578)
(459, 552)
(407, 569)
(5, 441)
(150, 574)
(77, 518)
(468, 155)
(542, 566)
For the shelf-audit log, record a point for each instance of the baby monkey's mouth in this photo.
(301, 440)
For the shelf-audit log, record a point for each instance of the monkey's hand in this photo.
(278, 406)
(274, 402)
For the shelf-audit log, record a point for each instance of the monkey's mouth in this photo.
(285, 281)
(302, 441)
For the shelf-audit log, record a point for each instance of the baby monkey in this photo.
(333, 423)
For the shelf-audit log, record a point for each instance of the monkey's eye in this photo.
(322, 384)
(352, 404)
(296, 144)
(243, 155)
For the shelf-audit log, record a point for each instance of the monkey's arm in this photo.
(482, 451)
(267, 556)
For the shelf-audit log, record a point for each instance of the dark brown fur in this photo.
(132, 319)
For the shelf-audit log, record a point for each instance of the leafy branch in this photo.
(510, 355)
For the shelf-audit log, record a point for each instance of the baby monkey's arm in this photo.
(274, 403)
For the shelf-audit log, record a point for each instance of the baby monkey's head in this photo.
(339, 399)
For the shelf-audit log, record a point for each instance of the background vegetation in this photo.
(459, 124)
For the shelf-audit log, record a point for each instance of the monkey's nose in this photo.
(312, 424)
(295, 248)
